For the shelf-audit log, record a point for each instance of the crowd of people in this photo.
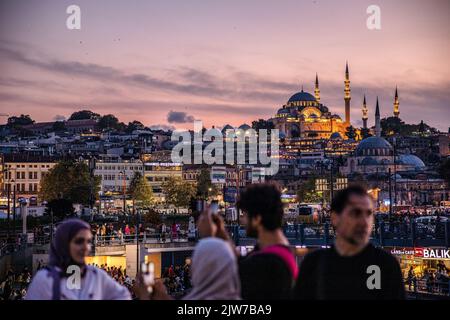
(435, 281)
(123, 232)
(119, 275)
(177, 280)
(218, 271)
(352, 268)
(14, 287)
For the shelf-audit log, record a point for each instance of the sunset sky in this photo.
(222, 62)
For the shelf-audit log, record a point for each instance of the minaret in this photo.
(377, 121)
(396, 104)
(364, 113)
(347, 95)
(317, 90)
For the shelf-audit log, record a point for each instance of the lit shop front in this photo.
(110, 261)
(422, 259)
(161, 258)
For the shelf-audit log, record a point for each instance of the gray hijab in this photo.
(214, 272)
(60, 246)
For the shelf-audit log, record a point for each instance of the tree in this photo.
(391, 126)
(84, 115)
(263, 124)
(72, 181)
(141, 192)
(312, 197)
(22, 120)
(135, 125)
(422, 127)
(350, 132)
(205, 188)
(59, 126)
(121, 127)
(306, 191)
(108, 121)
(444, 170)
(60, 208)
(395, 126)
(152, 217)
(365, 133)
(178, 192)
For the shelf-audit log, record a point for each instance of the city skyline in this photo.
(218, 64)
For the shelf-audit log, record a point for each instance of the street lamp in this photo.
(138, 221)
(394, 146)
(390, 194)
(124, 185)
(238, 220)
(6, 172)
(330, 166)
(45, 203)
(14, 207)
(23, 213)
(92, 165)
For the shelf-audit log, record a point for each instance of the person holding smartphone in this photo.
(214, 270)
(67, 276)
(270, 270)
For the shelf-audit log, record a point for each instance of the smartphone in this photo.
(148, 275)
(214, 207)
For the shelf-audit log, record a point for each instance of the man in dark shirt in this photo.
(265, 276)
(269, 271)
(352, 268)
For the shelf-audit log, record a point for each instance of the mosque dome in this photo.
(412, 160)
(336, 136)
(244, 126)
(227, 127)
(283, 111)
(374, 146)
(302, 96)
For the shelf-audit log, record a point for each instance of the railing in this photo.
(21, 242)
(10, 248)
(144, 238)
(417, 287)
(384, 234)
(5, 249)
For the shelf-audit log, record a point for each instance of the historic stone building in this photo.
(376, 155)
(304, 116)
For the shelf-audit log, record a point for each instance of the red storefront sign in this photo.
(428, 253)
(424, 253)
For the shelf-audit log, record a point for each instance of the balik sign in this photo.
(428, 253)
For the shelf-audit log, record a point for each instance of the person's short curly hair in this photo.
(263, 199)
(342, 197)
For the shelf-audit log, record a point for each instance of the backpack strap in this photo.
(56, 285)
(285, 254)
